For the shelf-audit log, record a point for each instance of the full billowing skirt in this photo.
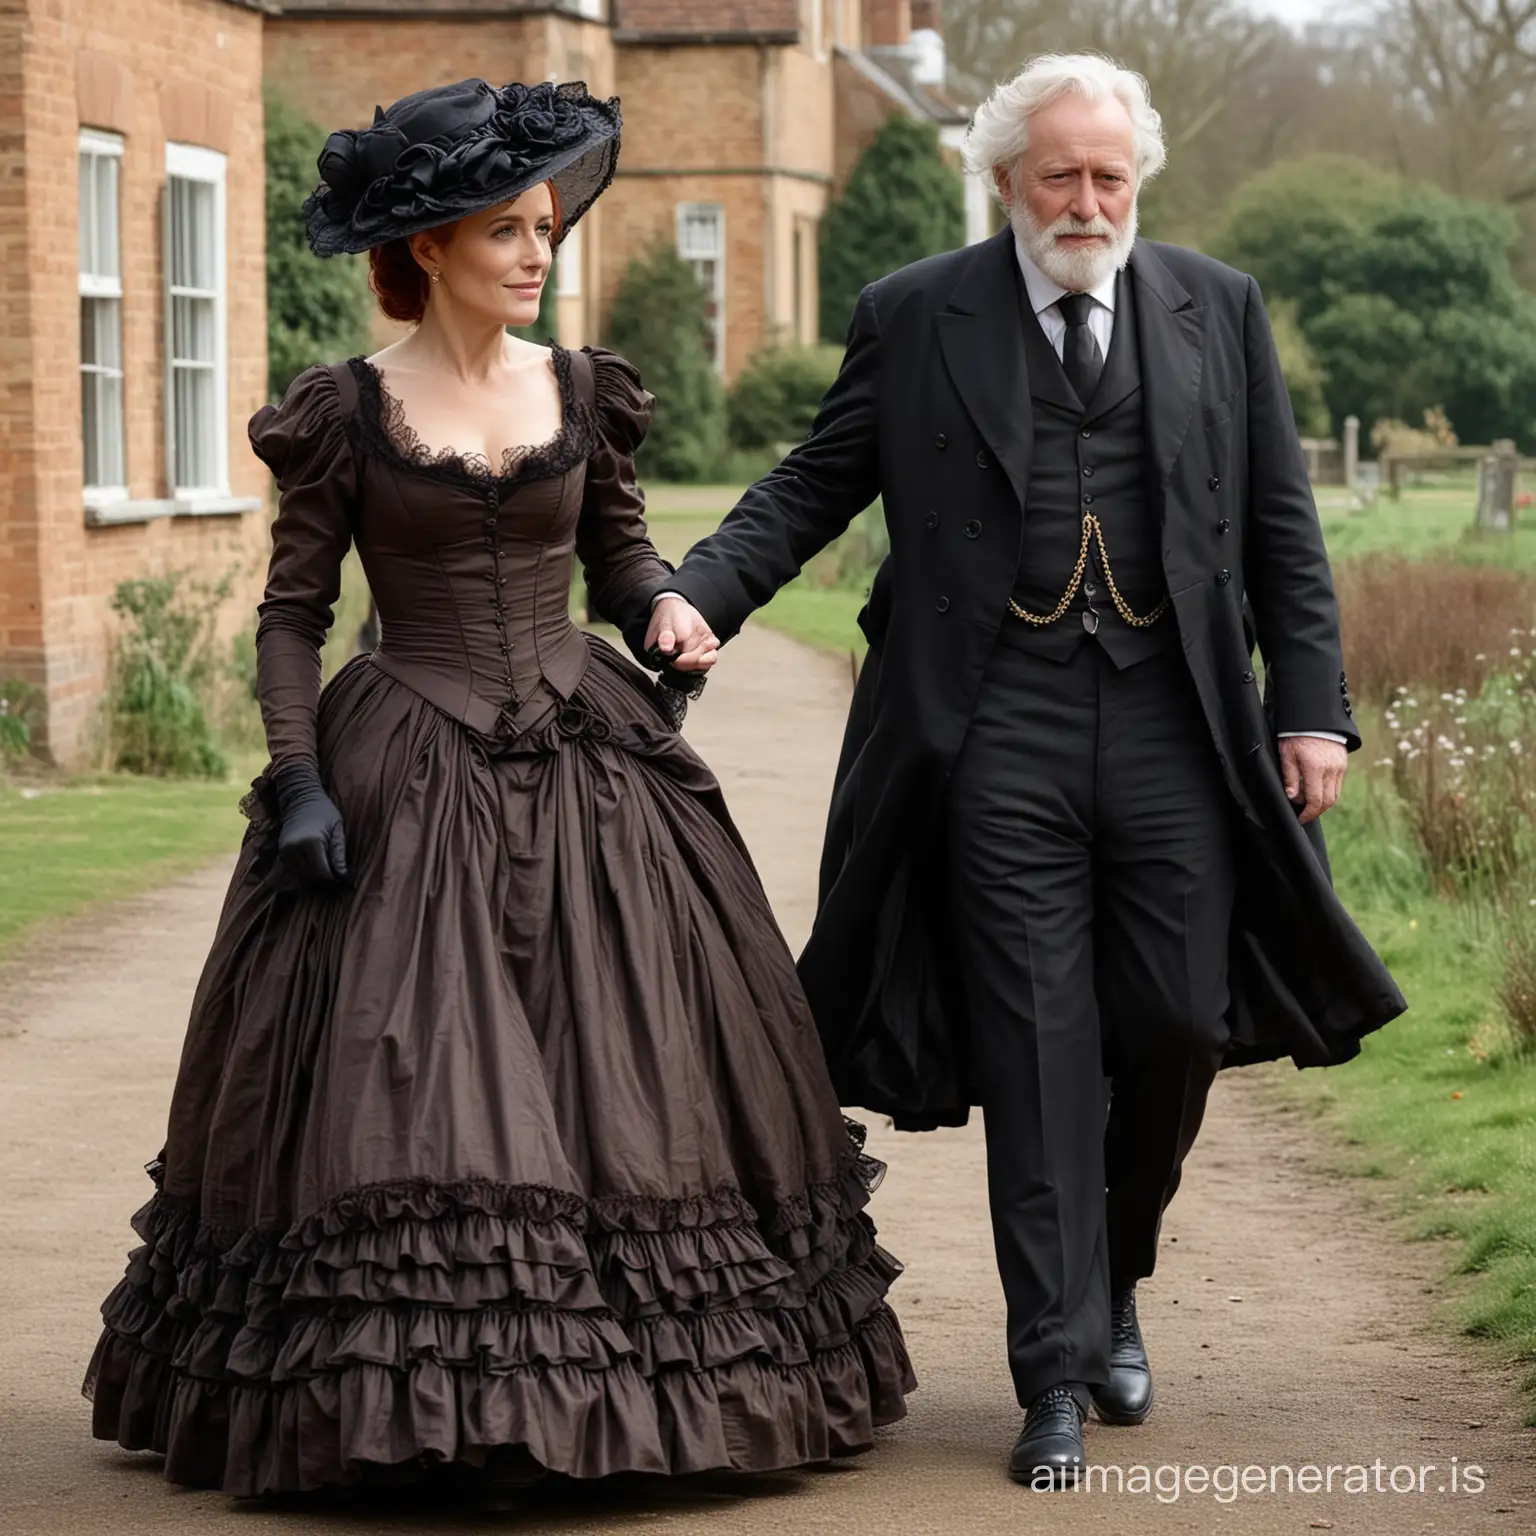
(522, 1140)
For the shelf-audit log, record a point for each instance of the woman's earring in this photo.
(437, 277)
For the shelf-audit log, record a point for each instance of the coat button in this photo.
(941, 441)
(1087, 501)
(1248, 677)
(942, 605)
(1214, 482)
(931, 521)
(1224, 526)
(1087, 469)
(1349, 708)
(973, 529)
(982, 461)
(1223, 577)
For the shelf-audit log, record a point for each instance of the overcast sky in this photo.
(1297, 12)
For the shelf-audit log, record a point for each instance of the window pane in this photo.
(192, 234)
(101, 333)
(90, 418)
(101, 392)
(87, 212)
(113, 470)
(193, 326)
(106, 216)
(195, 458)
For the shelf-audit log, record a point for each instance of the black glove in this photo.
(311, 843)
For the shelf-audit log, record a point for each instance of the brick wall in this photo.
(157, 67)
(21, 637)
(337, 69)
(887, 23)
(749, 128)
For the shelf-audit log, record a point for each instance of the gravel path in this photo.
(1288, 1328)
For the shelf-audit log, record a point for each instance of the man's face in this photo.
(1072, 195)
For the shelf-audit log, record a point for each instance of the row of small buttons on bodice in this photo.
(498, 588)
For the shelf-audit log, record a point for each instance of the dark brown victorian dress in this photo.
(525, 1138)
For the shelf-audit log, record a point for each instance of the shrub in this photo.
(162, 671)
(775, 399)
(1465, 769)
(1391, 436)
(1517, 981)
(317, 311)
(21, 718)
(1433, 624)
(660, 323)
(903, 202)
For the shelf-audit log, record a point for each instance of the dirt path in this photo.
(1287, 1328)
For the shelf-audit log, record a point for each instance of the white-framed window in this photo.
(568, 266)
(101, 317)
(701, 243)
(592, 10)
(196, 356)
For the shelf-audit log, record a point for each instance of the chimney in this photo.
(887, 23)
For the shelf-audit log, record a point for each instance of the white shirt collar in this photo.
(1044, 291)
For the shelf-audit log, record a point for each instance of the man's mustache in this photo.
(1070, 226)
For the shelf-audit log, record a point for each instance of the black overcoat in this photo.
(931, 412)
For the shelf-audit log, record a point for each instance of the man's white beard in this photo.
(1079, 269)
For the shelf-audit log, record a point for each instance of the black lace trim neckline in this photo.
(391, 437)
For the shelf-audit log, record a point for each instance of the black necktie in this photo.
(1080, 356)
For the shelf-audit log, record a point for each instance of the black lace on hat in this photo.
(458, 149)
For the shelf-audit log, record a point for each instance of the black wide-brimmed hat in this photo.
(456, 150)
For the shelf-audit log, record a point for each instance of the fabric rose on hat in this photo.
(353, 160)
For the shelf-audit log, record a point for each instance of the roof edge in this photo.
(778, 37)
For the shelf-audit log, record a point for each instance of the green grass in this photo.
(1435, 518)
(66, 845)
(1437, 1103)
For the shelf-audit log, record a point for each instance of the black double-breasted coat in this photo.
(931, 413)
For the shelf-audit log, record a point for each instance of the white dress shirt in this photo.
(1043, 294)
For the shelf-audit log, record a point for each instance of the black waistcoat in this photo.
(1089, 461)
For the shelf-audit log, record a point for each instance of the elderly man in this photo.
(1073, 863)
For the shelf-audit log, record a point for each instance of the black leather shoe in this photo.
(1128, 1397)
(1049, 1451)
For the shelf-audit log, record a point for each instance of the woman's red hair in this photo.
(399, 281)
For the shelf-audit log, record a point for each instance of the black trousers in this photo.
(1091, 884)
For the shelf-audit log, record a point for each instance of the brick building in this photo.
(134, 345)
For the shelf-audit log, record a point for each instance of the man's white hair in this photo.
(999, 133)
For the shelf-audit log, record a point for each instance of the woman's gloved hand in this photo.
(312, 842)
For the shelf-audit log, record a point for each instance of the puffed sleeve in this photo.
(618, 559)
(304, 443)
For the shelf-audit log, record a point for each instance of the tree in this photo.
(1305, 380)
(660, 323)
(317, 311)
(903, 202)
(1404, 293)
(1297, 226)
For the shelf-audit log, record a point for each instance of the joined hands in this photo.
(680, 635)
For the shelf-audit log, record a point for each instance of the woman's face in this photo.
(495, 264)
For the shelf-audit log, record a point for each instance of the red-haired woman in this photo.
(502, 1137)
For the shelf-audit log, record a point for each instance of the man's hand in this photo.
(679, 632)
(1313, 771)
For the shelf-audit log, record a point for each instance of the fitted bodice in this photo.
(470, 564)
